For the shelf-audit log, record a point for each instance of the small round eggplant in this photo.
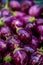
(20, 57)
(29, 50)
(26, 5)
(36, 59)
(24, 36)
(7, 20)
(30, 26)
(39, 21)
(13, 43)
(15, 24)
(34, 10)
(15, 5)
(5, 12)
(34, 43)
(5, 32)
(40, 29)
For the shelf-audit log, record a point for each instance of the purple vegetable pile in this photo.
(21, 33)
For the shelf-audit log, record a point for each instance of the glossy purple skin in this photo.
(8, 19)
(3, 46)
(29, 50)
(16, 23)
(28, 30)
(13, 43)
(34, 43)
(20, 57)
(5, 32)
(7, 64)
(39, 21)
(15, 5)
(36, 59)
(25, 19)
(24, 36)
(5, 12)
(26, 5)
(34, 10)
(40, 29)
(30, 26)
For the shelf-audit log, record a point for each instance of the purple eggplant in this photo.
(3, 46)
(39, 21)
(15, 5)
(29, 50)
(40, 29)
(36, 59)
(20, 57)
(24, 36)
(5, 32)
(34, 10)
(30, 26)
(34, 43)
(5, 12)
(15, 24)
(7, 20)
(26, 5)
(13, 43)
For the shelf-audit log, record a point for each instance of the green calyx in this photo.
(17, 49)
(1, 23)
(40, 50)
(33, 19)
(17, 29)
(7, 58)
(6, 4)
(14, 13)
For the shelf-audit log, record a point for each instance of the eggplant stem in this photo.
(40, 50)
(6, 5)
(17, 29)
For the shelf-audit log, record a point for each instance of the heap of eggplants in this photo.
(21, 33)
